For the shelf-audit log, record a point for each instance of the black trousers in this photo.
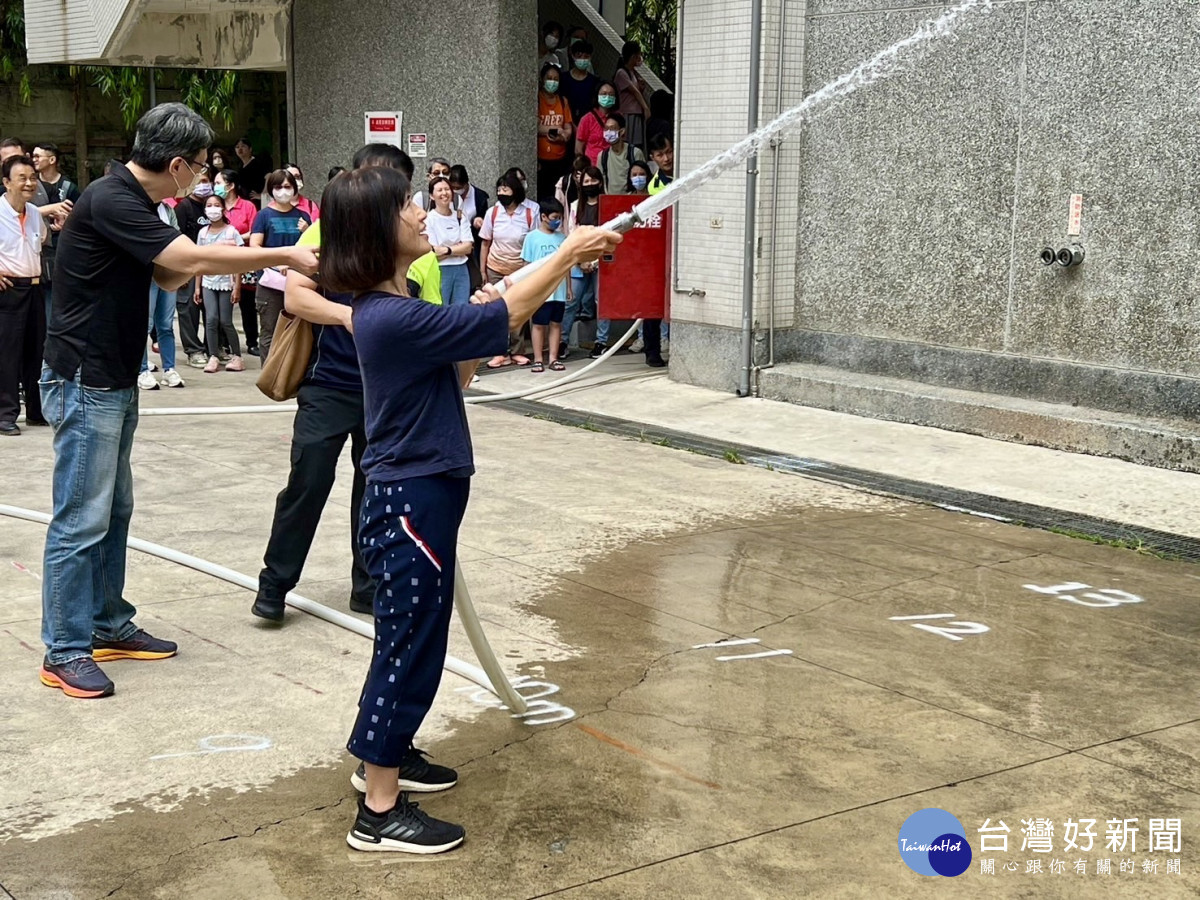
(22, 335)
(652, 338)
(249, 317)
(189, 313)
(325, 418)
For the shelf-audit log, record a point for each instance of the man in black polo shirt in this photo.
(111, 247)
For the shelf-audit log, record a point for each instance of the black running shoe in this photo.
(416, 775)
(78, 678)
(598, 350)
(563, 350)
(405, 829)
(140, 645)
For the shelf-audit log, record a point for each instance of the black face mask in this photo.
(591, 190)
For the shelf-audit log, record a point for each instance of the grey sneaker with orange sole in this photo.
(138, 645)
(80, 678)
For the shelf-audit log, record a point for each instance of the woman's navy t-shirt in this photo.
(415, 418)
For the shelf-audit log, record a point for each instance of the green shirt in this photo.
(425, 272)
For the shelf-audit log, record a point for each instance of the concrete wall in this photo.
(923, 201)
(452, 67)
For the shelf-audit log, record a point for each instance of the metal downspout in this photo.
(776, 152)
(748, 248)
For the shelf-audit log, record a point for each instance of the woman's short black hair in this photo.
(636, 164)
(601, 85)
(297, 168)
(278, 178)
(458, 175)
(546, 67)
(334, 172)
(360, 214)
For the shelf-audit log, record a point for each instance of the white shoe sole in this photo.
(413, 787)
(385, 845)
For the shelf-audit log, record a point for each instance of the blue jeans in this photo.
(84, 564)
(583, 302)
(456, 284)
(162, 318)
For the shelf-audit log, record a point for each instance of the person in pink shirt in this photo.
(589, 130)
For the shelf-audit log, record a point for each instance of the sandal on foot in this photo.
(499, 362)
(520, 360)
(556, 366)
(537, 367)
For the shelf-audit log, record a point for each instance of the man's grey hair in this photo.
(167, 131)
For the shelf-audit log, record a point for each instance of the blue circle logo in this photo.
(933, 842)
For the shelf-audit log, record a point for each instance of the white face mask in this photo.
(299, 185)
(283, 195)
(214, 214)
(551, 42)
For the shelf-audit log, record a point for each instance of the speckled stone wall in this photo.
(456, 69)
(925, 200)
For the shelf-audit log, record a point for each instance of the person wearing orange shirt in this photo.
(555, 130)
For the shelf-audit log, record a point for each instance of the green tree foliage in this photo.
(12, 48)
(652, 24)
(211, 92)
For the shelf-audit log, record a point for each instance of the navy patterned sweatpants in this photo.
(409, 533)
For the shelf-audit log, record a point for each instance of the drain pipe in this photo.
(776, 153)
(748, 248)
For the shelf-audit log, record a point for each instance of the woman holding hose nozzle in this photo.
(413, 357)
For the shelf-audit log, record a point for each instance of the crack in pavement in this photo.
(780, 828)
(220, 840)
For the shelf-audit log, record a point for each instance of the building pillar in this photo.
(462, 73)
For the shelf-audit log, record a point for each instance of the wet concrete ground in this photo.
(601, 567)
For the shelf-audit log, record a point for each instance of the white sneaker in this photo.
(171, 378)
(152, 367)
(147, 382)
(637, 346)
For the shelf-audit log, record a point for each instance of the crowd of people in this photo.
(386, 371)
(180, 225)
